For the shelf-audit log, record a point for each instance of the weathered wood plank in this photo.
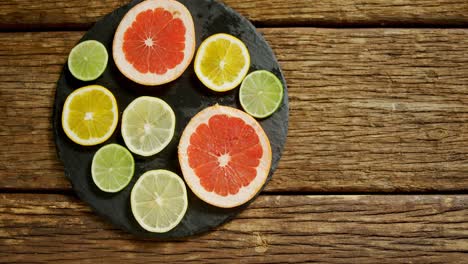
(28, 14)
(274, 229)
(371, 110)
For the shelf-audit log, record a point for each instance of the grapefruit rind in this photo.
(193, 181)
(126, 68)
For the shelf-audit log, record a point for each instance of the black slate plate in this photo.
(187, 96)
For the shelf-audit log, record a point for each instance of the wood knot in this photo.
(261, 243)
(437, 134)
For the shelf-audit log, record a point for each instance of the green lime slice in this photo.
(148, 125)
(261, 94)
(112, 168)
(88, 60)
(159, 200)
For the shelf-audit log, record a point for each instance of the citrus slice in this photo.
(90, 115)
(225, 156)
(88, 60)
(222, 61)
(155, 42)
(261, 94)
(159, 200)
(112, 168)
(148, 125)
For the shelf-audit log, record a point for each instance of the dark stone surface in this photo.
(187, 96)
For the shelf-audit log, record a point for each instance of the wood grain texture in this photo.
(30, 14)
(371, 110)
(275, 229)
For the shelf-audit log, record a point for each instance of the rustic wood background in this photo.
(376, 164)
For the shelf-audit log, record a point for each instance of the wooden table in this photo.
(376, 165)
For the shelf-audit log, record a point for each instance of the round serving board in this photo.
(187, 96)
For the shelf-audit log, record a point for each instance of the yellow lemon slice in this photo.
(90, 115)
(222, 61)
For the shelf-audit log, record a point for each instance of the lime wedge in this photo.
(261, 94)
(159, 200)
(148, 125)
(88, 60)
(112, 168)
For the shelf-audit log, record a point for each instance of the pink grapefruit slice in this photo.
(225, 156)
(155, 42)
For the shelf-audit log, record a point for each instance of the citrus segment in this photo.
(159, 200)
(155, 42)
(148, 125)
(261, 93)
(225, 156)
(90, 115)
(112, 168)
(222, 61)
(88, 60)
(144, 48)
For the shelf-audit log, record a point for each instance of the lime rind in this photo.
(159, 200)
(88, 60)
(112, 168)
(261, 94)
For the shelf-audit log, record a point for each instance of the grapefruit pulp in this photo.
(225, 156)
(155, 42)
